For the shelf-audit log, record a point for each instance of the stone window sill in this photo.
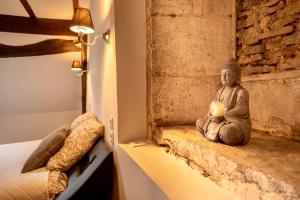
(267, 167)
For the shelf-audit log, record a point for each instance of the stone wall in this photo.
(268, 34)
(187, 43)
(268, 49)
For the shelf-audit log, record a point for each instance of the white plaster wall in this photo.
(32, 126)
(101, 86)
(38, 93)
(131, 68)
(116, 88)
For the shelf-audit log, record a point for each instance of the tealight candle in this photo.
(217, 108)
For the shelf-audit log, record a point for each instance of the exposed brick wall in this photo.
(268, 34)
(268, 46)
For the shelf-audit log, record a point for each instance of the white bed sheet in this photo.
(15, 185)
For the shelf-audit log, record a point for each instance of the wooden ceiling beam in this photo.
(75, 4)
(46, 47)
(44, 26)
(28, 8)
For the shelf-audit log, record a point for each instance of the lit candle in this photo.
(217, 108)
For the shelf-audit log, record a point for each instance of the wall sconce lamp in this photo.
(82, 24)
(77, 68)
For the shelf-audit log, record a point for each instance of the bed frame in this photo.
(93, 175)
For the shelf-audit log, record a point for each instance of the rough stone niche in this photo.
(187, 43)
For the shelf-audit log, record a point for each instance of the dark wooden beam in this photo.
(46, 47)
(84, 76)
(28, 8)
(44, 26)
(75, 4)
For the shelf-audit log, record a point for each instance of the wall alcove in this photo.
(187, 43)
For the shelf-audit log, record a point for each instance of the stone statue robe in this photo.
(236, 106)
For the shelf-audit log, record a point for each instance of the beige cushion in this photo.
(82, 118)
(76, 145)
(57, 182)
(47, 148)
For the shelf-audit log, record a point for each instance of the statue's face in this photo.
(228, 77)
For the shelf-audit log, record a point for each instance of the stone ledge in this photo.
(266, 168)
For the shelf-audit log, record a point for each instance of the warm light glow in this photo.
(82, 29)
(82, 21)
(76, 67)
(106, 37)
(217, 108)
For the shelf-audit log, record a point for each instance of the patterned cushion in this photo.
(82, 118)
(57, 182)
(76, 145)
(47, 148)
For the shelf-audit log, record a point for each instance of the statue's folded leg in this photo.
(199, 125)
(231, 134)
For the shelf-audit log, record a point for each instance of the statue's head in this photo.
(230, 74)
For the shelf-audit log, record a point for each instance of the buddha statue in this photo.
(228, 120)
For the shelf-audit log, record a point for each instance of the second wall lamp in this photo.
(77, 68)
(82, 24)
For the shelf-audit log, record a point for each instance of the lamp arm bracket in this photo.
(81, 72)
(105, 36)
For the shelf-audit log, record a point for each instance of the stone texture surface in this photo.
(181, 100)
(266, 168)
(188, 42)
(275, 106)
(177, 7)
(272, 25)
(190, 46)
(192, 7)
(270, 47)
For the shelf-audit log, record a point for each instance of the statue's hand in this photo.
(217, 119)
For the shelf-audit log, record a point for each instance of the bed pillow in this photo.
(57, 183)
(77, 144)
(82, 118)
(47, 148)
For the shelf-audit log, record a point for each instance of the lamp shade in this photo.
(76, 66)
(82, 21)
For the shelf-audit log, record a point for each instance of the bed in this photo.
(91, 178)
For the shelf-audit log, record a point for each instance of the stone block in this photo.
(249, 21)
(292, 39)
(287, 51)
(269, 10)
(244, 14)
(249, 4)
(198, 7)
(181, 100)
(250, 69)
(275, 98)
(273, 43)
(270, 61)
(248, 36)
(250, 59)
(289, 63)
(177, 7)
(190, 46)
(249, 50)
(281, 22)
(215, 8)
(265, 23)
(266, 168)
(293, 7)
(274, 33)
(270, 3)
